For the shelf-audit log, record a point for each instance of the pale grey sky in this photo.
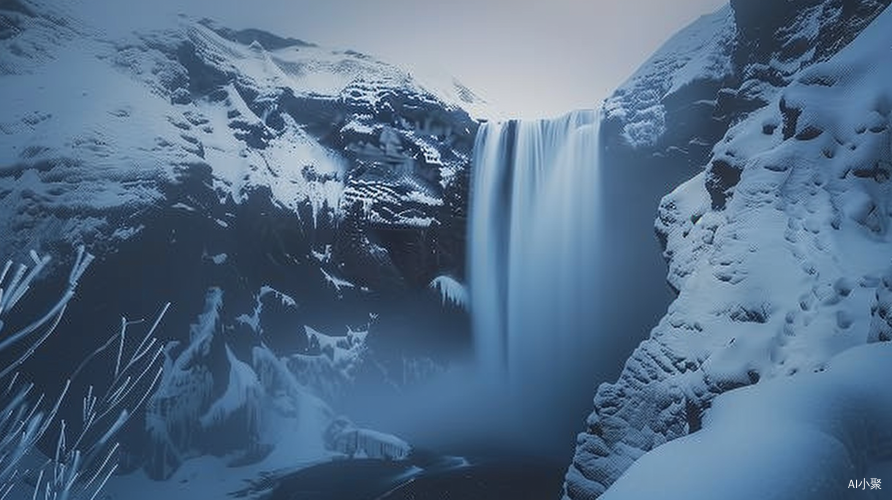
(528, 58)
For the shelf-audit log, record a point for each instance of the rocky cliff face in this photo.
(778, 248)
(295, 184)
(721, 68)
(115, 126)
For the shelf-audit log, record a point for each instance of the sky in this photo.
(528, 59)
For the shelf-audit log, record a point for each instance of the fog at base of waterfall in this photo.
(533, 292)
(537, 299)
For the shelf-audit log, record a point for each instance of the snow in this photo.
(242, 391)
(450, 90)
(806, 436)
(368, 443)
(75, 114)
(323, 257)
(336, 282)
(183, 206)
(424, 199)
(321, 71)
(798, 214)
(57, 122)
(330, 363)
(280, 165)
(776, 272)
(698, 53)
(283, 415)
(253, 321)
(105, 125)
(299, 417)
(286, 299)
(343, 351)
(185, 386)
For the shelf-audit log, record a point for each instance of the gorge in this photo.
(374, 286)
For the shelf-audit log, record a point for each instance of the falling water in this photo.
(533, 250)
(561, 290)
(536, 295)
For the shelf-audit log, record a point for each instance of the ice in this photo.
(451, 291)
(357, 442)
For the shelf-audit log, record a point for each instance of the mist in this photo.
(588, 285)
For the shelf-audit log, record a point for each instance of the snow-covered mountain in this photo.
(778, 249)
(304, 210)
(277, 193)
(721, 67)
(96, 130)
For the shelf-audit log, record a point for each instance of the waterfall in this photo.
(559, 292)
(533, 249)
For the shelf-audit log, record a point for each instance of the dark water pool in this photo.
(424, 478)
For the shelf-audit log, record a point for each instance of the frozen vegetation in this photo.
(85, 454)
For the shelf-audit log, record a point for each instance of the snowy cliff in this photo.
(721, 67)
(810, 436)
(779, 249)
(265, 186)
(97, 132)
